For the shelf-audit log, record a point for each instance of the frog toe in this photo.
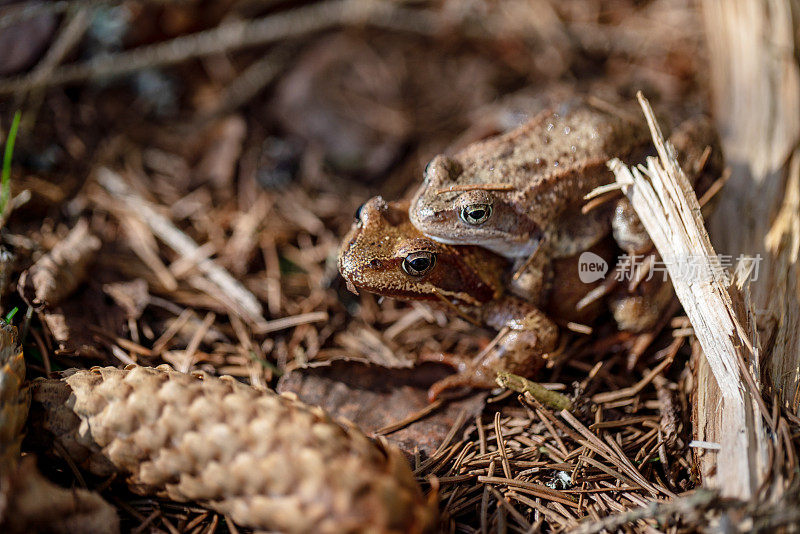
(471, 378)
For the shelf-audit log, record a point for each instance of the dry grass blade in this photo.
(612, 455)
(609, 396)
(430, 408)
(289, 322)
(58, 273)
(527, 263)
(246, 302)
(532, 489)
(475, 187)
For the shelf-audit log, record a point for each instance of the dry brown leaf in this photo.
(14, 397)
(29, 502)
(59, 272)
(374, 397)
(132, 296)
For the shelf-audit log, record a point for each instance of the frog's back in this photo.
(555, 142)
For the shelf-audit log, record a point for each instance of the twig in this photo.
(608, 453)
(289, 322)
(68, 36)
(188, 354)
(416, 416)
(603, 190)
(181, 243)
(501, 446)
(551, 399)
(230, 36)
(670, 212)
(436, 456)
(695, 503)
(599, 200)
(529, 487)
(27, 10)
(249, 83)
(524, 266)
(455, 309)
(609, 396)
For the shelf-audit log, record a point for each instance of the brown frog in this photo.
(520, 194)
(385, 254)
(523, 191)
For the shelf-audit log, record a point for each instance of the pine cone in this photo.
(268, 460)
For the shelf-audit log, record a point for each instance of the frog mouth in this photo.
(444, 240)
(348, 275)
(344, 255)
(505, 246)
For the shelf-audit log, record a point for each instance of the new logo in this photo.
(591, 267)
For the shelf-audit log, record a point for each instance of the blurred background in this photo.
(198, 162)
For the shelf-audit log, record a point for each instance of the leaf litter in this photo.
(206, 239)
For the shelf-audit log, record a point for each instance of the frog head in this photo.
(385, 254)
(472, 202)
(504, 193)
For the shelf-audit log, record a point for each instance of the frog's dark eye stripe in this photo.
(419, 263)
(476, 214)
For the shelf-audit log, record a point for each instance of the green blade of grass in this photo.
(11, 314)
(5, 178)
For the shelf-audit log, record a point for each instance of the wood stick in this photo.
(231, 36)
(669, 210)
(757, 210)
(182, 244)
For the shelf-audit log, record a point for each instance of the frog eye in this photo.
(419, 263)
(476, 214)
(358, 212)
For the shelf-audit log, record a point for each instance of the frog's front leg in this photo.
(530, 278)
(526, 334)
